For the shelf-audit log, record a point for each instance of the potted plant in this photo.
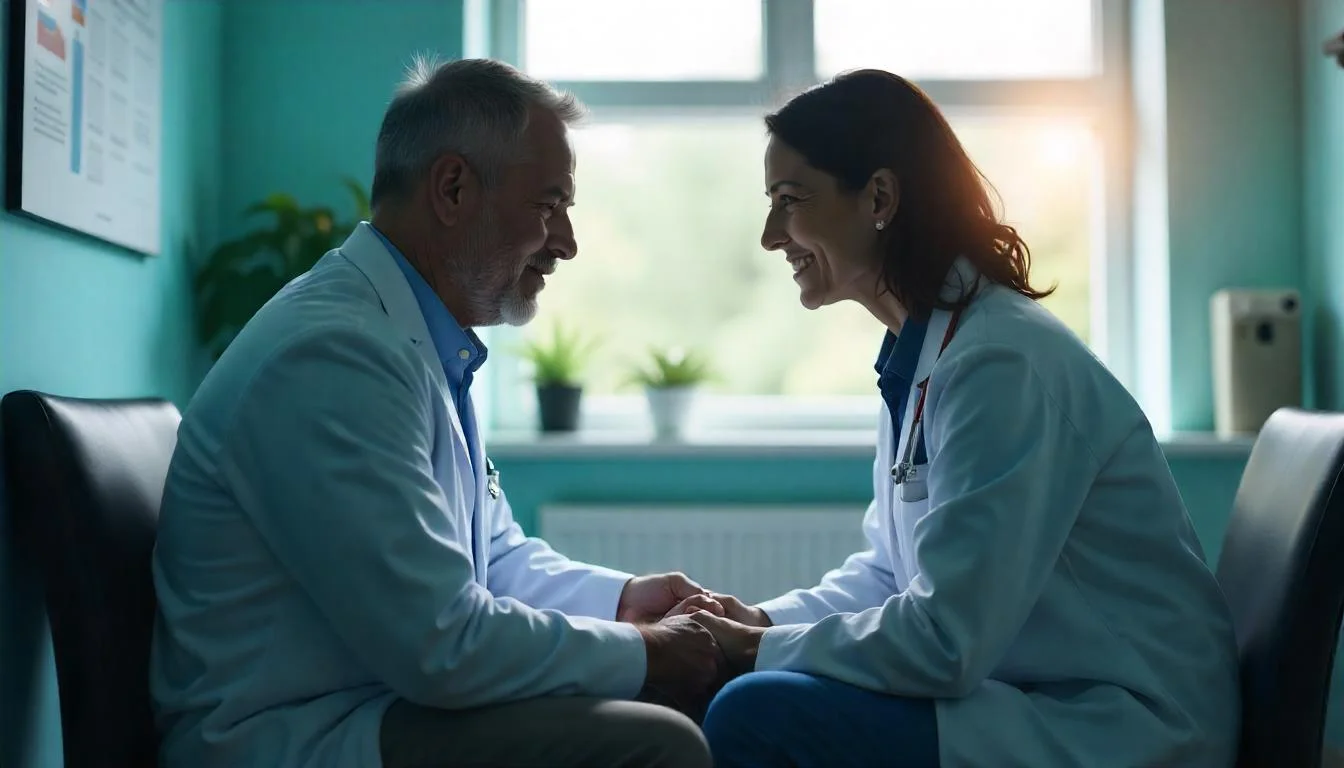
(557, 365)
(242, 274)
(670, 379)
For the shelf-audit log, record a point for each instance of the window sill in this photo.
(816, 444)
(1205, 445)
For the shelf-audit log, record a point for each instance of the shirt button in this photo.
(464, 354)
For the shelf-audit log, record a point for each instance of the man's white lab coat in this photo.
(326, 546)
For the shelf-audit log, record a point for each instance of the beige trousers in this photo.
(557, 732)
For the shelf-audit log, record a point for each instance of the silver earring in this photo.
(880, 225)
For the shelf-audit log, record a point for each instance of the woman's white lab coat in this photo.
(1049, 593)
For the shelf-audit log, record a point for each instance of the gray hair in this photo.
(477, 108)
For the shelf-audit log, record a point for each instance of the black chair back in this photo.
(1282, 571)
(84, 480)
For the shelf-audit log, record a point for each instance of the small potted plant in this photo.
(557, 365)
(670, 379)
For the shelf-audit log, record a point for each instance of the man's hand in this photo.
(738, 642)
(728, 606)
(684, 662)
(646, 599)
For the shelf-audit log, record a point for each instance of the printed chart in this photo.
(88, 127)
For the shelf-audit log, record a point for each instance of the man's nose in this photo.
(560, 239)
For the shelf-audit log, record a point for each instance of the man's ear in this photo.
(886, 195)
(453, 188)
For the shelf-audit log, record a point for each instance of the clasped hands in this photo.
(695, 640)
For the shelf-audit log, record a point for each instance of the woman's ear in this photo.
(886, 194)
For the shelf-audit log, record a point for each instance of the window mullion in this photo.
(790, 56)
(1115, 273)
(1018, 95)
(508, 31)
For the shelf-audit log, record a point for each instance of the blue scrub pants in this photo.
(800, 721)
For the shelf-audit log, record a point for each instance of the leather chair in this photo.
(84, 481)
(1282, 570)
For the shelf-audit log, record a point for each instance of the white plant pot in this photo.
(669, 407)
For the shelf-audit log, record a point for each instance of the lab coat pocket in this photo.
(916, 485)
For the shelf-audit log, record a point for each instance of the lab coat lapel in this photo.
(928, 353)
(366, 251)
(480, 535)
(961, 277)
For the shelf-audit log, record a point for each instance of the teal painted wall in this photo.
(1323, 170)
(305, 86)
(81, 318)
(1234, 175)
(1207, 484)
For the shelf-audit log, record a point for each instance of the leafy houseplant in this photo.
(557, 368)
(244, 273)
(670, 379)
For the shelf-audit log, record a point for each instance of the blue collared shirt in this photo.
(459, 350)
(896, 364)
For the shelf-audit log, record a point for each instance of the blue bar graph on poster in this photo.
(77, 108)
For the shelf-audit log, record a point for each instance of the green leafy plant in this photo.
(672, 368)
(560, 359)
(244, 273)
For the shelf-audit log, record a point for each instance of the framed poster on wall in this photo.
(83, 116)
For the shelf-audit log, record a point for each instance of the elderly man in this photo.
(340, 579)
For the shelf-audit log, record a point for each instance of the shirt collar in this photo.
(899, 355)
(459, 349)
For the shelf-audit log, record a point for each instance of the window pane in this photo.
(1045, 171)
(668, 221)
(622, 40)
(956, 39)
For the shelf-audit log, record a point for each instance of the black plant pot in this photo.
(559, 406)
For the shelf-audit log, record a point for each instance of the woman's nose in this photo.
(773, 236)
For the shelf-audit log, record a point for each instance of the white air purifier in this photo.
(1257, 357)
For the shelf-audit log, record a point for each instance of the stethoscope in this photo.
(904, 473)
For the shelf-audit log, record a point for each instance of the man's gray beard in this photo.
(485, 265)
(517, 309)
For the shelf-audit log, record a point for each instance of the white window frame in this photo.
(495, 28)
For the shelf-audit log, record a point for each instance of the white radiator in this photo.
(753, 552)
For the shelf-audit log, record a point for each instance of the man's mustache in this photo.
(543, 264)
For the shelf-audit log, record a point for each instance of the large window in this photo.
(671, 200)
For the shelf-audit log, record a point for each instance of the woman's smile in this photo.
(801, 262)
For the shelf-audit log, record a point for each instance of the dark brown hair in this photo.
(867, 120)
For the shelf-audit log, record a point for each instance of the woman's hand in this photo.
(738, 642)
(646, 599)
(723, 605)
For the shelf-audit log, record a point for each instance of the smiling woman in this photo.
(977, 621)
